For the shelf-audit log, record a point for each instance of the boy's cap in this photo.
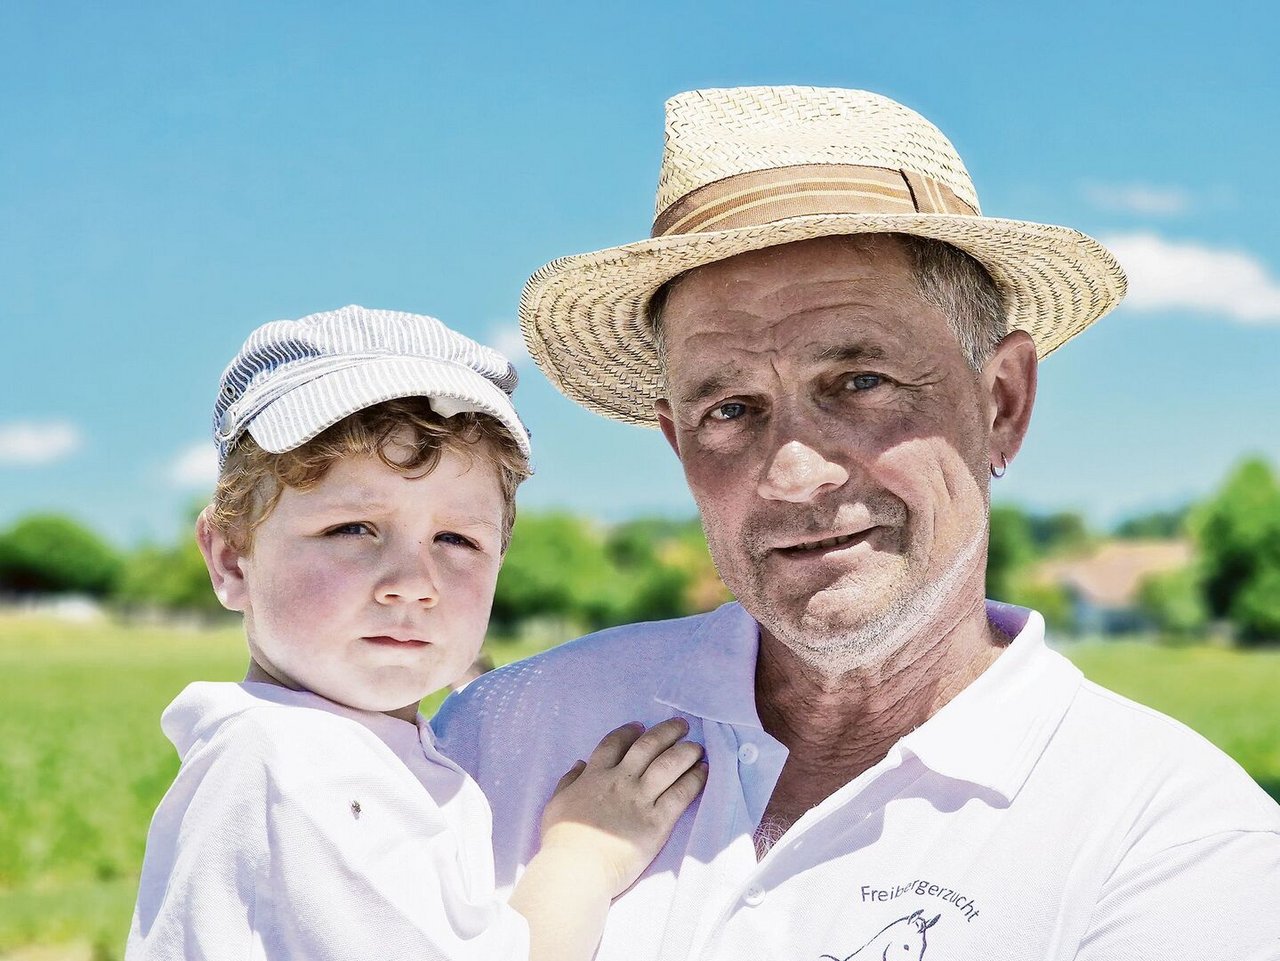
(294, 378)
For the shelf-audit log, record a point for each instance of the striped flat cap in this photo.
(292, 379)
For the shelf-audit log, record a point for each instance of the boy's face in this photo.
(373, 588)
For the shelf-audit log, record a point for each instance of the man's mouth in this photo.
(826, 543)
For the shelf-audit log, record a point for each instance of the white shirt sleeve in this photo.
(1212, 899)
(268, 847)
(205, 850)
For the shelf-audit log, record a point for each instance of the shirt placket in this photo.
(746, 762)
(748, 894)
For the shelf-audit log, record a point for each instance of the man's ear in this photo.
(225, 564)
(1010, 378)
(667, 422)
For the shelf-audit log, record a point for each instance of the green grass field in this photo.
(83, 762)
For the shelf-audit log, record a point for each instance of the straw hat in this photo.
(752, 167)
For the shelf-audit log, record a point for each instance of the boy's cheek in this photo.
(299, 577)
(476, 597)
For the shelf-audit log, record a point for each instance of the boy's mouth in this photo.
(389, 641)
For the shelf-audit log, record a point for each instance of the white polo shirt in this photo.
(298, 828)
(1036, 816)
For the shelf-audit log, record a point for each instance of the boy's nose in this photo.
(411, 580)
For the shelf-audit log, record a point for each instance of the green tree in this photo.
(688, 551)
(1010, 548)
(1174, 600)
(168, 578)
(1256, 611)
(557, 566)
(1051, 600)
(1237, 533)
(1158, 525)
(661, 592)
(1062, 532)
(50, 553)
(658, 585)
(636, 543)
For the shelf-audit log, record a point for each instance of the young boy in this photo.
(368, 463)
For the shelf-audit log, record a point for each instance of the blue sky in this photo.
(175, 174)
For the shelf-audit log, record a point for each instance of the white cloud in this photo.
(507, 339)
(1183, 275)
(30, 443)
(195, 467)
(1145, 199)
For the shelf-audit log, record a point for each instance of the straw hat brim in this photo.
(583, 316)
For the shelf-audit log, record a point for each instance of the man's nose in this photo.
(799, 473)
(411, 577)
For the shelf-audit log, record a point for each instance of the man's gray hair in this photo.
(948, 279)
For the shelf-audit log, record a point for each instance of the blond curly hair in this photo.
(252, 479)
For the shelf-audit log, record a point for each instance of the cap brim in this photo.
(311, 408)
(583, 317)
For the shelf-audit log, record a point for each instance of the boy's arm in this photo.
(605, 823)
(206, 848)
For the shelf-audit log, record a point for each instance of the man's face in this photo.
(834, 439)
(374, 587)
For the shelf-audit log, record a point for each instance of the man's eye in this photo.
(730, 411)
(863, 382)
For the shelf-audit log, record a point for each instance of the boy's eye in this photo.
(449, 537)
(355, 528)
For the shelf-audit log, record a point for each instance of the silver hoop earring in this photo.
(1004, 467)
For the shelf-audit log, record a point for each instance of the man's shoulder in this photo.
(632, 645)
(616, 666)
(615, 656)
(1170, 773)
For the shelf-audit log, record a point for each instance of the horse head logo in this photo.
(903, 940)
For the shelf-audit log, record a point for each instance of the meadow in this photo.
(83, 761)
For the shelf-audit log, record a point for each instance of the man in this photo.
(842, 352)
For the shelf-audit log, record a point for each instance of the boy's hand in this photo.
(614, 812)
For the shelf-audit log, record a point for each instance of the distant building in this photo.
(80, 608)
(1103, 585)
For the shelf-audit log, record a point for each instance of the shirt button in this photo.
(753, 895)
(748, 753)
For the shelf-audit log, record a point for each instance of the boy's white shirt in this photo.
(299, 828)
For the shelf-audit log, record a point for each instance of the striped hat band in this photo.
(749, 168)
(765, 196)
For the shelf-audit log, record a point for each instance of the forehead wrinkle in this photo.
(849, 319)
(841, 353)
(709, 387)
(867, 290)
(471, 523)
(466, 519)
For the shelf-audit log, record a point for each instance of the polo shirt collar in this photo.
(994, 731)
(716, 679)
(990, 734)
(203, 706)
